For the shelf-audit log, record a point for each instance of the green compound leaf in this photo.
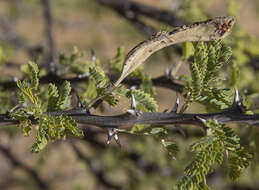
(98, 74)
(54, 128)
(64, 97)
(91, 90)
(58, 102)
(116, 63)
(237, 162)
(187, 50)
(73, 61)
(52, 98)
(210, 150)
(196, 80)
(205, 75)
(171, 147)
(28, 95)
(146, 84)
(34, 75)
(28, 91)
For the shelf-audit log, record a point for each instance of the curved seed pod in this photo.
(213, 29)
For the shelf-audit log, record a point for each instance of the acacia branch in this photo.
(235, 114)
(157, 118)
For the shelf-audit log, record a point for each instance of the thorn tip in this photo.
(237, 99)
(204, 121)
(175, 108)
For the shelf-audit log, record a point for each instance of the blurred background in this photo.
(39, 30)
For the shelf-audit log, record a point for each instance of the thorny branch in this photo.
(234, 114)
(128, 119)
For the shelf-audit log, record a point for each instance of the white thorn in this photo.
(110, 132)
(110, 135)
(176, 104)
(116, 137)
(167, 72)
(133, 102)
(171, 72)
(237, 99)
(131, 111)
(204, 121)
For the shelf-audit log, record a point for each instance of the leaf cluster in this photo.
(32, 110)
(210, 150)
(205, 83)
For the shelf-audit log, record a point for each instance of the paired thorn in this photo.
(238, 102)
(169, 73)
(112, 133)
(237, 99)
(175, 108)
(133, 110)
(82, 105)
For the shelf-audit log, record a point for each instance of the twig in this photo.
(128, 6)
(133, 18)
(50, 35)
(161, 81)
